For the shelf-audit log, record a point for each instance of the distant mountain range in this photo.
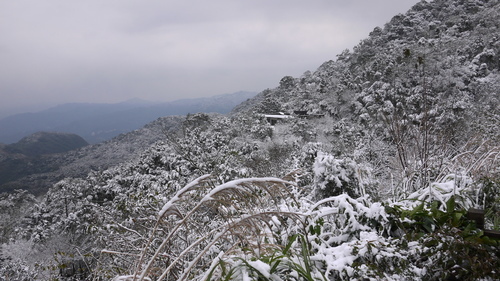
(97, 122)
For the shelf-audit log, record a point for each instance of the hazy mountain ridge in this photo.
(46, 143)
(28, 155)
(99, 122)
(399, 140)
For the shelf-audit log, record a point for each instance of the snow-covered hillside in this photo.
(370, 178)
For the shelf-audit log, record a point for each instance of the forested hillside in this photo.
(24, 158)
(36, 173)
(361, 170)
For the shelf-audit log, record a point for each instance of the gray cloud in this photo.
(60, 51)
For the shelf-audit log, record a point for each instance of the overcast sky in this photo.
(59, 51)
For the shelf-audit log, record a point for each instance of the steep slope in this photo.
(423, 87)
(448, 50)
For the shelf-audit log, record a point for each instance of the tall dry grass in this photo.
(203, 222)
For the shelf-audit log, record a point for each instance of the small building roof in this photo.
(277, 116)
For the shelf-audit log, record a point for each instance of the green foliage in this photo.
(490, 199)
(281, 263)
(453, 247)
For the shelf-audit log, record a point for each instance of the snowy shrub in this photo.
(261, 130)
(334, 176)
(456, 186)
(18, 271)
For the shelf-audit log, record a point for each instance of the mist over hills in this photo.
(100, 122)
